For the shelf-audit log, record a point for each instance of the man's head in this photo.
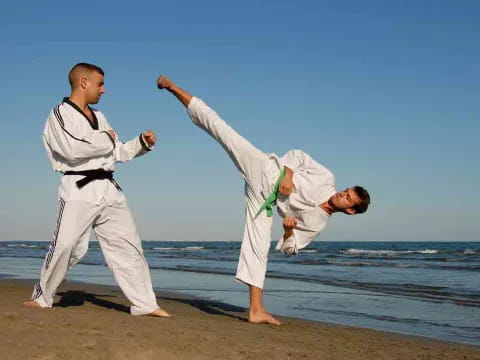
(87, 80)
(351, 201)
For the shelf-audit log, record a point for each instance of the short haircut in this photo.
(364, 199)
(82, 67)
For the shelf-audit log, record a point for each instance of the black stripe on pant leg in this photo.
(55, 235)
(51, 247)
(37, 292)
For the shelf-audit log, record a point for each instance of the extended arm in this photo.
(136, 147)
(164, 83)
(131, 149)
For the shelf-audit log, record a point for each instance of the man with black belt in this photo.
(81, 144)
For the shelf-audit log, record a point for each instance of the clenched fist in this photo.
(289, 222)
(286, 186)
(150, 137)
(163, 82)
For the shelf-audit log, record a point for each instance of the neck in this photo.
(328, 208)
(79, 100)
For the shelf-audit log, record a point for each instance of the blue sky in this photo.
(383, 93)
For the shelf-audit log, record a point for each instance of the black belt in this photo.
(90, 175)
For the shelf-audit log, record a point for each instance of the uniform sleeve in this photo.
(299, 239)
(72, 142)
(295, 159)
(127, 151)
(131, 149)
(309, 225)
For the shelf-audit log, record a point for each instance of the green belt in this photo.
(271, 200)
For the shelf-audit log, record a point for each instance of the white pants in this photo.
(120, 243)
(251, 162)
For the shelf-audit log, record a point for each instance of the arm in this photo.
(72, 144)
(135, 147)
(297, 237)
(138, 146)
(294, 159)
(183, 96)
(286, 186)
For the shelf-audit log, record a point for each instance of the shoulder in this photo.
(59, 113)
(320, 219)
(330, 176)
(64, 109)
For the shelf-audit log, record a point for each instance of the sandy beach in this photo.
(92, 322)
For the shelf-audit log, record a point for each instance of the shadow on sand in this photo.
(209, 306)
(78, 298)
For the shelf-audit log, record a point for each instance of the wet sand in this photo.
(92, 322)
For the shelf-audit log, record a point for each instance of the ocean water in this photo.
(422, 288)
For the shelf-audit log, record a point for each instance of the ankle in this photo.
(257, 310)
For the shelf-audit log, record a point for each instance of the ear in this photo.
(83, 82)
(350, 211)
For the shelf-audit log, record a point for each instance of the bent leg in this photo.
(122, 248)
(73, 226)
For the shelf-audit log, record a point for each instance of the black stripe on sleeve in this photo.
(56, 111)
(145, 147)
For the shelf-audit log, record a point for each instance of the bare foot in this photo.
(262, 317)
(32, 304)
(160, 313)
(163, 82)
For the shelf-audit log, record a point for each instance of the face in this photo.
(345, 201)
(94, 87)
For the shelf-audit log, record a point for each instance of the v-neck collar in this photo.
(94, 125)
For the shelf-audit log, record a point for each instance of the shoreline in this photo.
(92, 321)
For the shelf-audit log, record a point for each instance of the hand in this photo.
(286, 185)
(113, 135)
(150, 137)
(163, 82)
(289, 222)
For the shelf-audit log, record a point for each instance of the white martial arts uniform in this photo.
(314, 184)
(73, 143)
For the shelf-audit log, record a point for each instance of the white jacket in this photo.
(73, 143)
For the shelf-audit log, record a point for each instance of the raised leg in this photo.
(248, 159)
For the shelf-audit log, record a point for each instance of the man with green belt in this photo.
(302, 188)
